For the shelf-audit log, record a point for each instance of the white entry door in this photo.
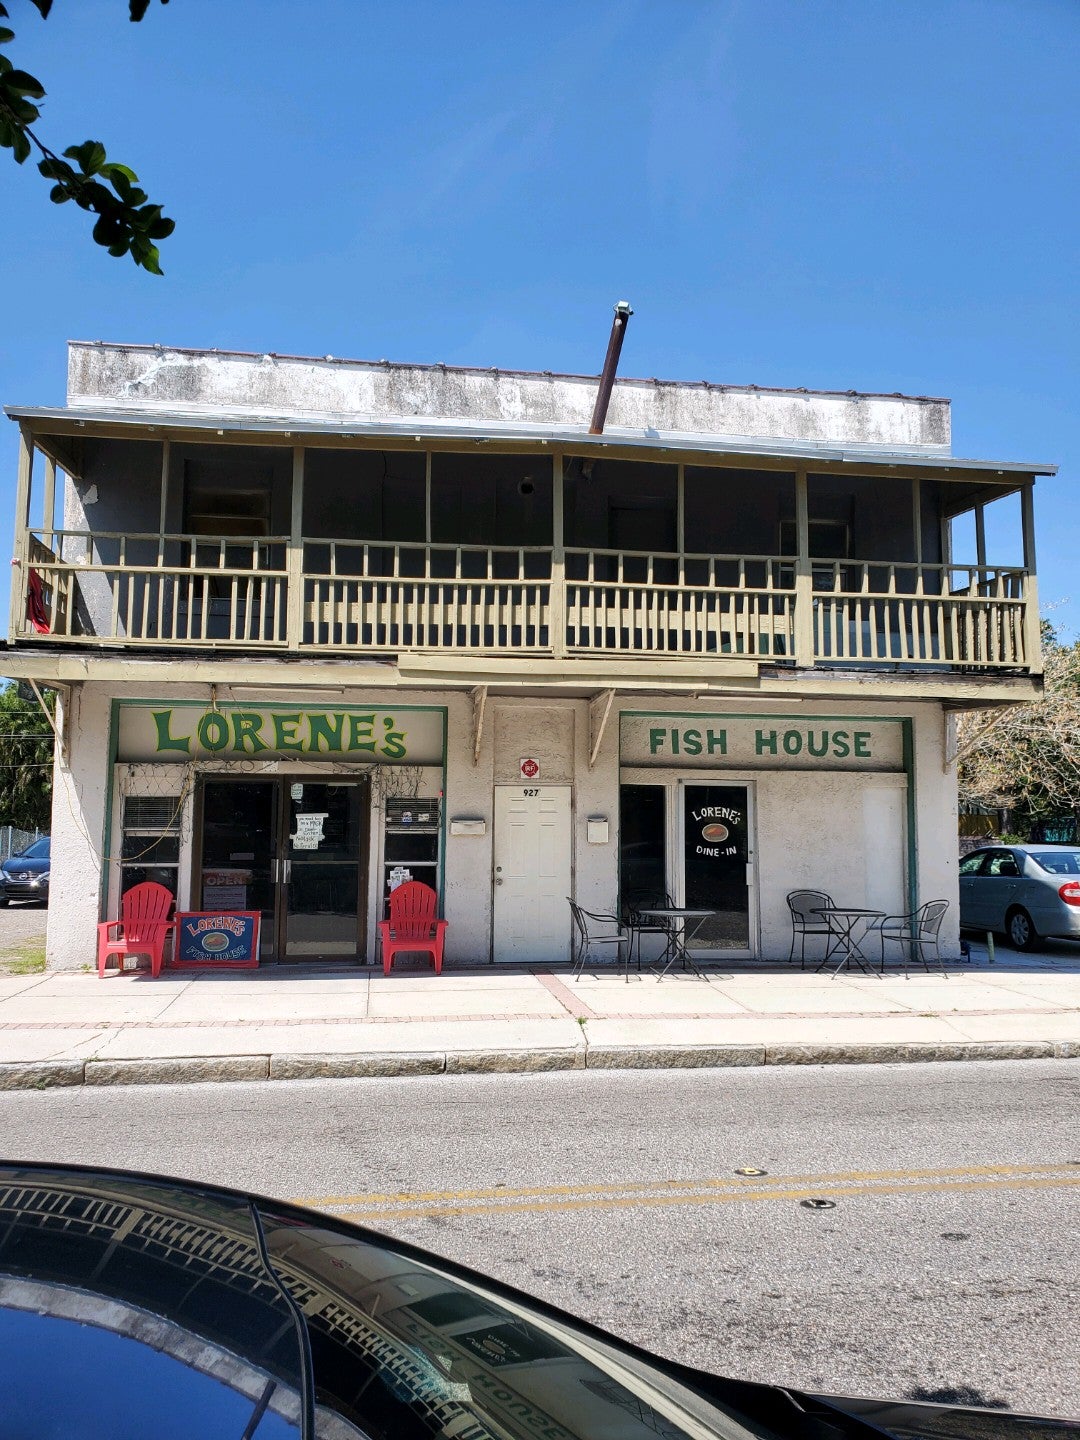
(532, 873)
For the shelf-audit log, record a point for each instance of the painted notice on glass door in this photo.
(715, 854)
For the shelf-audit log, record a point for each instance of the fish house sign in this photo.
(760, 742)
(189, 732)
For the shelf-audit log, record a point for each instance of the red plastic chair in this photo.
(412, 924)
(142, 927)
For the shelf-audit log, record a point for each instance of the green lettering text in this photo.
(245, 732)
(285, 736)
(360, 733)
(213, 731)
(328, 729)
(166, 740)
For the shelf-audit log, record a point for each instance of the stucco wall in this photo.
(822, 830)
(199, 381)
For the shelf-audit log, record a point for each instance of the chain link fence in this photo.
(14, 841)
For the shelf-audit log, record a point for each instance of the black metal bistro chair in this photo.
(594, 931)
(639, 924)
(914, 933)
(807, 918)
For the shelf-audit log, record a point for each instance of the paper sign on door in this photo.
(309, 830)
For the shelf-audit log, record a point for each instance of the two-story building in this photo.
(319, 625)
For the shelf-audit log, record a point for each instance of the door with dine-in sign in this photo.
(532, 873)
(717, 863)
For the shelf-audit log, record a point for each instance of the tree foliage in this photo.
(127, 223)
(1027, 759)
(26, 749)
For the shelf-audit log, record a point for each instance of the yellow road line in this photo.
(706, 1197)
(505, 1192)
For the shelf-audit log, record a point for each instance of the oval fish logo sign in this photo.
(214, 942)
(715, 834)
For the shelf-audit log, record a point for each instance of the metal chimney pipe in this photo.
(611, 364)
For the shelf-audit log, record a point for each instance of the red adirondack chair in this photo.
(412, 924)
(141, 929)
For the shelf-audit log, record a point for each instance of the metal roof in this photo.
(565, 437)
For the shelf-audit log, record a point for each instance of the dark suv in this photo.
(26, 876)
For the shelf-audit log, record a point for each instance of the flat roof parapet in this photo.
(148, 378)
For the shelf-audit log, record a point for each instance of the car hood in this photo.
(16, 865)
(172, 1302)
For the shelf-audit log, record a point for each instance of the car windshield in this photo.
(1057, 862)
(184, 1305)
(39, 850)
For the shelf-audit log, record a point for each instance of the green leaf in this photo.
(18, 82)
(113, 170)
(161, 229)
(58, 194)
(108, 230)
(96, 158)
(20, 146)
(21, 109)
(6, 35)
(90, 155)
(42, 7)
(56, 170)
(5, 65)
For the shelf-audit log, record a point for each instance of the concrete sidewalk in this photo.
(284, 1023)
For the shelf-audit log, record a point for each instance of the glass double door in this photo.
(293, 849)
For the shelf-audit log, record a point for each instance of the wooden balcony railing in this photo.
(679, 604)
(426, 597)
(162, 590)
(234, 592)
(908, 614)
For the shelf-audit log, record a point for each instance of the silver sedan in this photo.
(1024, 891)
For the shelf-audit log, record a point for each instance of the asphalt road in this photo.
(948, 1266)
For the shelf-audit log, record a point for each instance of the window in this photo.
(642, 844)
(972, 864)
(150, 848)
(1058, 862)
(1003, 862)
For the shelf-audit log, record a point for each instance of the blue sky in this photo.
(841, 194)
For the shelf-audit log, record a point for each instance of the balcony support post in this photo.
(48, 508)
(163, 512)
(294, 560)
(804, 577)
(20, 579)
(557, 600)
(1032, 622)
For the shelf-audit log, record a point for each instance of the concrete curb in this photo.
(200, 1069)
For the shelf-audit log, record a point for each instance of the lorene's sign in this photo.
(226, 732)
(759, 742)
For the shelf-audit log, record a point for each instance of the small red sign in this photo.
(530, 768)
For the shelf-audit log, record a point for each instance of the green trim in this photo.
(756, 715)
(912, 837)
(114, 739)
(907, 736)
(110, 786)
(442, 813)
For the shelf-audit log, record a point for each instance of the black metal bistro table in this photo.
(843, 922)
(683, 925)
